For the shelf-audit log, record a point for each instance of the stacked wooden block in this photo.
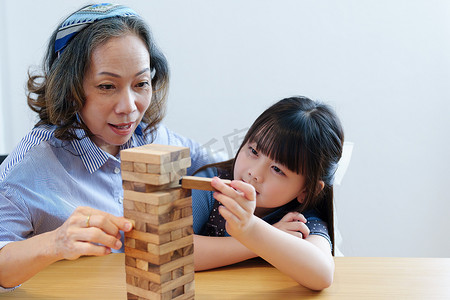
(159, 258)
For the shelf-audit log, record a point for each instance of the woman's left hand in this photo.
(238, 204)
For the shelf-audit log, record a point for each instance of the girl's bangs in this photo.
(281, 144)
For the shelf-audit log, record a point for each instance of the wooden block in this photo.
(199, 183)
(186, 211)
(140, 226)
(190, 267)
(177, 292)
(130, 261)
(154, 154)
(176, 152)
(142, 264)
(139, 206)
(170, 167)
(187, 230)
(139, 154)
(153, 179)
(131, 242)
(132, 297)
(138, 273)
(186, 296)
(142, 217)
(139, 167)
(148, 237)
(188, 250)
(141, 245)
(126, 166)
(176, 234)
(158, 197)
(185, 261)
(152, 219)
(177, 273)
(128, 204)
(170, 226)
(170, 246)
(173, 205)
(149, 257)
(181, 281)
(142, 293)
(190, 286)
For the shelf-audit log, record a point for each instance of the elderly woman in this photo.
(103, 89)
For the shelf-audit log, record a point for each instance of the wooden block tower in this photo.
(159, 259)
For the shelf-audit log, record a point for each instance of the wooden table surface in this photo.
(355, 278)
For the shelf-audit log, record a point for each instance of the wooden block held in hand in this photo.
(199, 183)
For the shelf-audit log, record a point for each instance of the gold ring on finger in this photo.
(88, 218)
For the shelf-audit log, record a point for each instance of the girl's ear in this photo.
(302, 196)
(320, 186)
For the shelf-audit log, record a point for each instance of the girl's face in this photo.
(274, 183)
(118, 91)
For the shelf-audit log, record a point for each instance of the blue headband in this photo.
(86, 16)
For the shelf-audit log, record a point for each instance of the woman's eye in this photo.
(143, 84)
(106, 86)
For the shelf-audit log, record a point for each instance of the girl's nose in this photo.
(255, 175)
(127, 103)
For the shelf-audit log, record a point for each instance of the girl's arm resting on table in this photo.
(213, 252)
(307, 261)
(86, 232)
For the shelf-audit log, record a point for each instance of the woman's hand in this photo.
(238, 204)
(89, 231)
(293, 223)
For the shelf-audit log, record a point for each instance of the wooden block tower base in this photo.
(159, 259)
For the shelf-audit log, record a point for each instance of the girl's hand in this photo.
(293, 223)
(238, 204)
(89, 231)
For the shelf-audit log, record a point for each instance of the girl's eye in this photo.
(253, 151)
(278, 170)
(106, 86)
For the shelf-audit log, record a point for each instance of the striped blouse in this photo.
(44, 179)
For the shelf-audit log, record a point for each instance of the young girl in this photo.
(280, 203)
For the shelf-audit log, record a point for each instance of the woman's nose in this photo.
(127, 103)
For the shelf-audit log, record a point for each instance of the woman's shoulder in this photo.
(33, 145)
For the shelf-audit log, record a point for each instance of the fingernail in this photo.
(127, 226)
(118, 244)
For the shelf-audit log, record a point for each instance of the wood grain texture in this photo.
(355, 278)
(199, 183)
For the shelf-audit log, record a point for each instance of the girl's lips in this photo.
(122, 128)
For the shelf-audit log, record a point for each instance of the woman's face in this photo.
(118, 91)
(274, 183)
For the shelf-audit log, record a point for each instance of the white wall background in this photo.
(384, 65)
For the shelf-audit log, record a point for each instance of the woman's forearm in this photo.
(214, 252)
(19, 261)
